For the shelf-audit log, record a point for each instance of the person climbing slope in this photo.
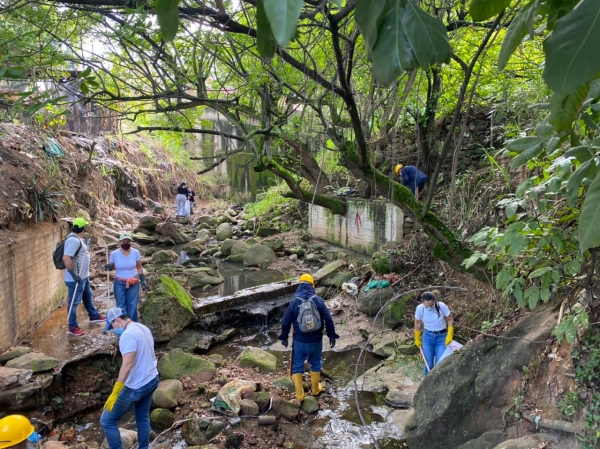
(309, 315)
(411, 177)
(434, 329)
(127, 262)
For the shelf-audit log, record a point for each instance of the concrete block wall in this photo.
(30, 286)
(367, 225)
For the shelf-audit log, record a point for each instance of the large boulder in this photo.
(167, 393)
(226, 246)
(164, 256)
(170, 232)
(387, 344)
(276, 245)
(167, 309)
(310, 404)
(208, 220)
(224, 232)
(148, 222)
(162, 418)
(265, 231)
(256, 357)
(289, 409)
(13, 353)
(204, 235)
(140, 237)
(177, 364)
(259, 255)
(34, 361)
(371, 301)
(202, 278)
(12, 377)
(240, 248)
(468, 393)
(214, 428)
(194, 247)
(27, 395)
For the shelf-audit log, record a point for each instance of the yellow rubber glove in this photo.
(450, 335)
(110, 402)
(418, 341)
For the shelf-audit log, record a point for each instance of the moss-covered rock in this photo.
(167, 393)
(149, 222)
(256, 357)
(284, 383)
(226, 246)
(170, 232)
(371, 301)
(176, 364)
(276, 245)
(167, 309)
(289, 409)
(13, 353)
(204, 235)
(194, 247)
(260, 256)
(34, 361)
(162, 418)
(201, 279)
(208, 220)
(265, 231)
(310, 404)
(262, 399)
(239, 248)
(394, 313)
(224, 232)
(164, 256)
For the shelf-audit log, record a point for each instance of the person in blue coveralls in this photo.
(411, 177)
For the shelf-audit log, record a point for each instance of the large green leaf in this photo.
(167, 13)
(565, 109)
(427, 36)
(369, 15)
(392, 53)
(589, 221)
(264, 35)
(12, 73)
(519, 27)
(523, 143)
(530, 153)
(486, 9)
(283, 16)
(572, 56)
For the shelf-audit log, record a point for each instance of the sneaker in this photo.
(101, 318)
(76, 331)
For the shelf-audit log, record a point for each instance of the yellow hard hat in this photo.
(13, 430)
(307, 278)
(398, 168)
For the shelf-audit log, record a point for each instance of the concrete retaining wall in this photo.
(30, 286)
(365, 228)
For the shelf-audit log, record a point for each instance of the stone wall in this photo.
(30, 286)
(365, 228)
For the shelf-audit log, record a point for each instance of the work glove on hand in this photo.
(110, 402)
(450, 335)
(143, 281)
(285, 342)
(108, 266)
(418, 341)
(332, 342)
(74, 275)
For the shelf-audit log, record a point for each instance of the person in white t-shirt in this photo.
(129, 275)
(137, 381)
(434, 329)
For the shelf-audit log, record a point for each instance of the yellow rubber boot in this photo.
(315, 377)
(297, 379)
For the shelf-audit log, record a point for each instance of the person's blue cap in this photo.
(112, 315)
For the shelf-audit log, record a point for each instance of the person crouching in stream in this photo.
(434, 329)
(129, 274)
(309, 315)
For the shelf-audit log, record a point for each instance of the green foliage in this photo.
(571, 50)
(167, 13)
(589, 222)
(520, 26)
(482, 10)
(283, 17)
(264, 35)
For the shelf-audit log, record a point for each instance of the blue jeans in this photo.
(304, 351)
(127, 298)
(433, 347)
(84, 292)
(140, 400)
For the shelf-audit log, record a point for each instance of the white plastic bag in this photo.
(453, 346)
(187, 208)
